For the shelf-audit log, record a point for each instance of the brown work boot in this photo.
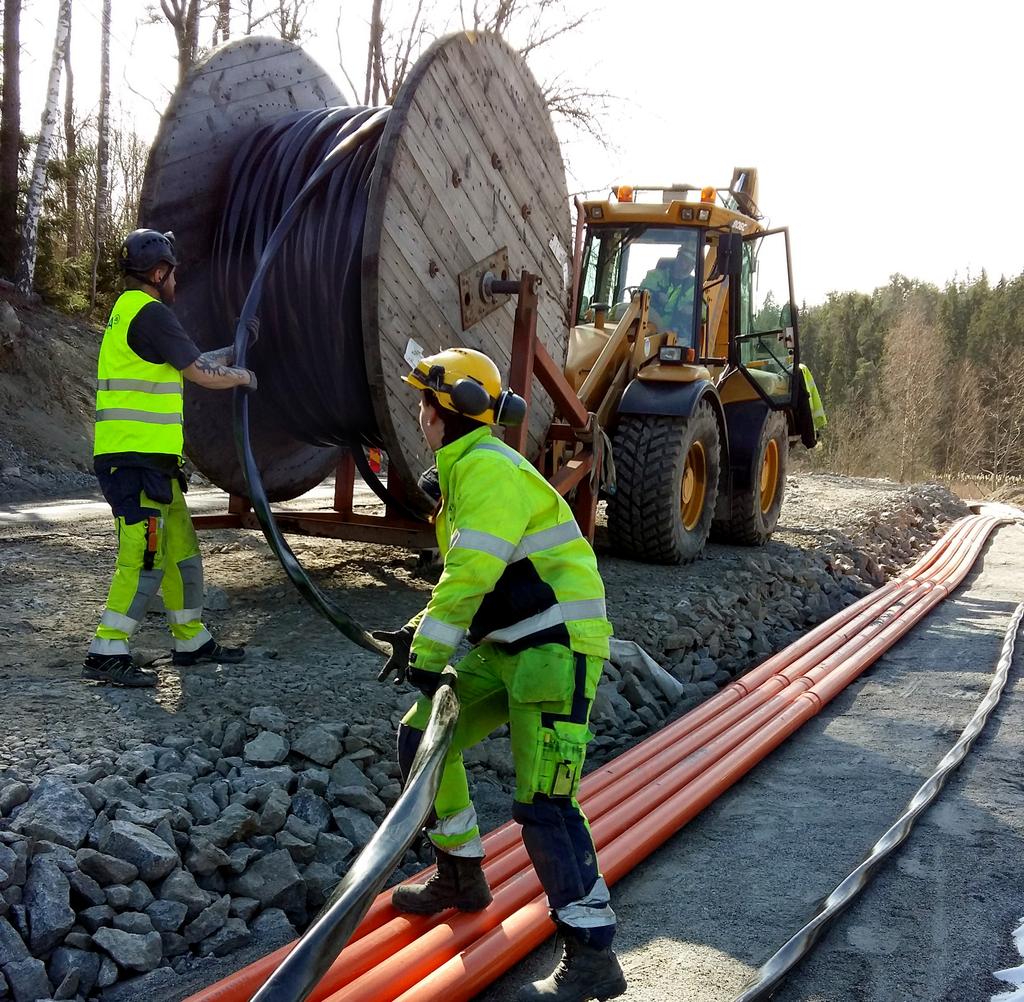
(583, 973)
(459, 883)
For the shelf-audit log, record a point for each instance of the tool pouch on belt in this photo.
(546, 677)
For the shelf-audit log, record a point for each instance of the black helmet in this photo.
(143, 250)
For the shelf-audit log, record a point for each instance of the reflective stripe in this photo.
(484, 542)
(119, 621)
(193, 644)
(138, 386)
(101, 646)
(182, 617)
(547, 539)
(564, 612)
(129, 414)
(503, 450)
(439, 630)
(590, 912)
(458, 834)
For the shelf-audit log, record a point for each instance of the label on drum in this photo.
(413, 353)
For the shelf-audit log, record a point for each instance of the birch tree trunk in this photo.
(71, 147)
(10, 138)
(101, 214)
(34, 202)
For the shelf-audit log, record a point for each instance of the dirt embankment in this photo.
(47, 401)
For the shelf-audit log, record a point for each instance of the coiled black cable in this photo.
(770, 974)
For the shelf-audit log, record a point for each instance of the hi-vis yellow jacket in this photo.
(139, 404)
(517, 570)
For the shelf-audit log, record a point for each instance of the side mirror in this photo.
(729, 260)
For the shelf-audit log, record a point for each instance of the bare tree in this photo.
(222, 26)
(10, 138)
(183, 17)
(101, 216)
(34, 201)
(288, 18)
(71, 151)
(914, 360)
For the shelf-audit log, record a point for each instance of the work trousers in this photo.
(544, 694)
(160, 551)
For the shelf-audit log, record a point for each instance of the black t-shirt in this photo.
(155, 335)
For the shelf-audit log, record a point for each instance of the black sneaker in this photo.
(210, 651)
(117, 669)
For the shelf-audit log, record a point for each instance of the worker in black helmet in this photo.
(144, 359)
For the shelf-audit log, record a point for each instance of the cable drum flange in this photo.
(241, 86)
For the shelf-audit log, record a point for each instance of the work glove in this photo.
(398, 663)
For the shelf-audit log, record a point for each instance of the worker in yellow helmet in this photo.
(520, 582)
(144, 358)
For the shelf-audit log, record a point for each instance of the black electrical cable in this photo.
(283, 174)
(771, 973)
(302, 969)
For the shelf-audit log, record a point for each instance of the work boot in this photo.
(459, 883)
(210, 651)
(583, 973)
(117, 669)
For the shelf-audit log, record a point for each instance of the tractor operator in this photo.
(670, 283)
(521, 582)
(144, 357)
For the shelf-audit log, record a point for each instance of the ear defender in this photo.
(510, 409)
(469, 397)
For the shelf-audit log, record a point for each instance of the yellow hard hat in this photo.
(468, 382)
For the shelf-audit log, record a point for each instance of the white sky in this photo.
(887, 135)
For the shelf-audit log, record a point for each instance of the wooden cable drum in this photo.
(468, 166)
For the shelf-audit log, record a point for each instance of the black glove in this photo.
(401, 645)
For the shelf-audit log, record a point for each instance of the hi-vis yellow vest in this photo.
(139, 404)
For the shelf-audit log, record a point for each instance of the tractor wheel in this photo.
(754, 512)
(666, 485)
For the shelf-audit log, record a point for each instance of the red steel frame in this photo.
(529, 358)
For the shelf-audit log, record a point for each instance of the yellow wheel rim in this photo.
(769, 475)
(694, 486)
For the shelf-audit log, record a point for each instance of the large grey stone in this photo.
(234, 739)
(267, 748)
(272, 928)
(275, 812)
(271, 718)
(106, 869)
(84, 964)
(48, 901)
(12, 946)
(86, 889)
(362, 798)
(13, 795)
(167, 916)
(312, 809)
(231, 936)
(119, 791)
(28, 980)
(347, 773)
(129, 950)
(318, 745)
(162, 983)
(235, 824)
(137, 922)
(145, 850)
(204, 858)
(208, 921)
(356, 826)
(181, 886)
(57, 812)
(95, 917)
(274, 881)
(299, 850)
(332, 849)
(203, 807)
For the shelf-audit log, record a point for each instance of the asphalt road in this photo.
(699, 916)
